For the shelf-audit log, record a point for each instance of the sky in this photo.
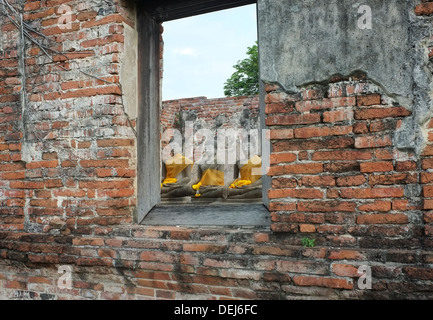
(200, 51)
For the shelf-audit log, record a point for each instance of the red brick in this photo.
(296, 169)
(18, 285)
(313, 94)
(13, 175)
(87, 242)
(277, 158)
(89, 92)
(337, 116)
(83, 16)
(31, 6)
(12, 166)
(317, 181)
(49, 155)
(368, 100)
(332, 193)
(282, 206)
(405, 166)
(115, 143)
(69, 193)
(311, 132)
(346, 255)
(382, 219)
(307, 118)
(295, 193)
(115, 184)
(341, 155)
(105, 163)
(281, 134)
(372, 142)
(326, 206)
(118, 193)
(371, 193)
(351, 181)
(157, 256)
(426, 164)
(306, 106)
(27, 185)
(426, 177)
(343, 166)
(383, 154)
(428, 217)
(114, 18)
(279, 107)
(271, 87)
(323, 282)
(345, 270)
(424, 9)
(380, 166)
(115, 172)
(428, 191)
(283, 183)
(54, 183)
(98, 42)
(428, 150)
(314, 144)
(378, 113)
(307, 228)
(381, 206)
(42, 164)
(210, 248)
(392, 179)
(43, 203)
(428, 204)
(401, 205)
(360, 127)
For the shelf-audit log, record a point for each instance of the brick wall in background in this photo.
(208, 110)
(67, 168)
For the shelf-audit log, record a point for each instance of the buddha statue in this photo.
(178, 181)
(249, 183)
(211, 183)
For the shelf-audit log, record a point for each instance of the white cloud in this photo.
(186, 52)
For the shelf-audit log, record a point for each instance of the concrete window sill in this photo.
(235, 215)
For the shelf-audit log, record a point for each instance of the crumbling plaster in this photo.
(393, 53)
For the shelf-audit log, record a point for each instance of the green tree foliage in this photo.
(245, 81)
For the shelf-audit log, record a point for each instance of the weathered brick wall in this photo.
(67, 168)
(67, 143)
(208, 110)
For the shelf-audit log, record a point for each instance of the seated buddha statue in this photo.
(211, 183)
(249, 183)
(177, 182)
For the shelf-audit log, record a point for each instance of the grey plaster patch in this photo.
(209, 215)
(304, 42)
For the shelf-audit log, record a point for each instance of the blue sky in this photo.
(200, 51)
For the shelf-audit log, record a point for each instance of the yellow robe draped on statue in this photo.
(174, 166)
(246, 173)
(210, 177)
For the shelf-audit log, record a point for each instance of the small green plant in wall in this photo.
(307, 242)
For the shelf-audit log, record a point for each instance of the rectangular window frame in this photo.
(149, 17)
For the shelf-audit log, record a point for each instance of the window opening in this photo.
(210, 144)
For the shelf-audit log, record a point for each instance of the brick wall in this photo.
(67, 168)
(67, 143)
(208, 110)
